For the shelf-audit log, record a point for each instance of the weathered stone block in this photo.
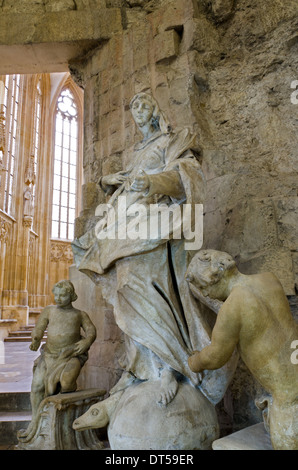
(218, 219)
(104, 123)
(60, 5)
(272, 12)
(140, 46)
(112, 164)
(115, 122)
(141, 79)
(295, 265)
(287, 224)
(201, 35)
(25, 6)
(247, 219)
(104, 105)
(171, 16)
(166, 45)
(59, 27)
(220, 192)
(222, 9)
(116, 98)
(116, 142)
(91, 194)
(33, 38)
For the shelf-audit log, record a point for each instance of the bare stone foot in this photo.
(168, 387)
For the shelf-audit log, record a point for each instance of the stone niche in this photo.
(225, 69)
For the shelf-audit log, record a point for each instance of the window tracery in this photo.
(65, 166)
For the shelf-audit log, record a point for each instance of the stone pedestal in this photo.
(188, 422)
(54, 430)
(252, 438)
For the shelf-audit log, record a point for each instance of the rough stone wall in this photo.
(225, 68)
(146, 55)
(41, 6)
(227, 72)
(43, 36)
(251, 156)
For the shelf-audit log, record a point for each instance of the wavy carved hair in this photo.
(68, 285)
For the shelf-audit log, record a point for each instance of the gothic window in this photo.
(35, 152)
(65, 166)
(37, 126)
(11, 112)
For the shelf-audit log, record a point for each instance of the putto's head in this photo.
(64, 293)
(209, 270)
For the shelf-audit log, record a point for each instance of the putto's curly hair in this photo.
(68, 285)
(220, 261)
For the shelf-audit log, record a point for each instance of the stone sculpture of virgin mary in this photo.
(152, 302)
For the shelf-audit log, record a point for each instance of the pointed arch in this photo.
(67, 105)
(12, 113)
(38, 89)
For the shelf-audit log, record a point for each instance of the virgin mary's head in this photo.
(144, 108)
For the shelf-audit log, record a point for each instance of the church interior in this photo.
(38, 209)
(227, 69)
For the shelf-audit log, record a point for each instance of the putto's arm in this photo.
(89, 329)
(38, 331)
(224, 339)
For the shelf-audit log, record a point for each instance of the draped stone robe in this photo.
(152, 302)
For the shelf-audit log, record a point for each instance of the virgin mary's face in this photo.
(142, 111)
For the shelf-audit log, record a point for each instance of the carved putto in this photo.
(255, 317)
(62, 356)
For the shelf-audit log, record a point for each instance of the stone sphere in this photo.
(189, 422)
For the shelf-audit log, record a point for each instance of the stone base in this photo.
(53, 430)
(253, 438)
(188, 422)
